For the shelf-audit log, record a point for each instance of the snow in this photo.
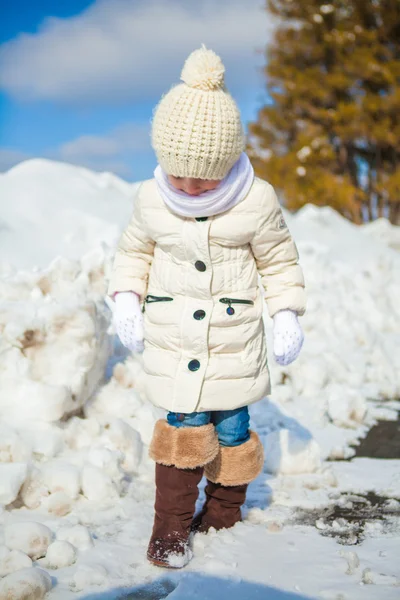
(13, 560)
(289, 452)
(76, 482)
(12, 476)
(26, 584)
(60, 554)
(83, 208)
(31, 538)
(78, 536)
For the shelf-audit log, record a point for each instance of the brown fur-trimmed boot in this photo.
(180, 454)
(228, 476)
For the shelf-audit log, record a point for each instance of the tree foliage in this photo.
(330, 133)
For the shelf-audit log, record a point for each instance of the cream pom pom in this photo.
(203, 70)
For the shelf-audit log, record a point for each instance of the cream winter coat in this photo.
(198, 278)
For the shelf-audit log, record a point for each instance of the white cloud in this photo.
(132, 137)
(108, 152)
(119, 51)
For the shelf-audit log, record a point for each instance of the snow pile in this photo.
(351, 328)
(53, 340)
(51, 208)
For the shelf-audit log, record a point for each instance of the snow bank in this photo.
(50, 208)
(351, 327)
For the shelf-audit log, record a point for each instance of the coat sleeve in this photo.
(133, 257)
(277, 258)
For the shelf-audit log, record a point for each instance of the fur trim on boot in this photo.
(237, 465)
(183, 447)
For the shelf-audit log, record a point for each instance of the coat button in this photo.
(201, 219)
(194, 365)
(200, 266)
(199, 314)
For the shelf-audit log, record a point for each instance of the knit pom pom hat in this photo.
(196, 129)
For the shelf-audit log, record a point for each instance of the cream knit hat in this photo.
(196, 129)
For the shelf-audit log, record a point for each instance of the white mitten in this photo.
(128, 320)
(288, 337)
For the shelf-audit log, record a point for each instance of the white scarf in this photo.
(229, 192)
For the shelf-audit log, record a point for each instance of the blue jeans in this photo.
(232, 426)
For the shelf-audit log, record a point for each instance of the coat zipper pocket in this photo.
(150, 298)
(230, 310)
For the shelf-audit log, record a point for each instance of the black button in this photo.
(194, 365)
(200, 266)
(201, 219)
(199, 314)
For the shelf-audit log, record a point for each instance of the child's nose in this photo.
(192, 189)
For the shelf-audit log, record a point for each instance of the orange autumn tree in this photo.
(330, 132)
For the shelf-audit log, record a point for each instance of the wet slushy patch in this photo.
(352, 517)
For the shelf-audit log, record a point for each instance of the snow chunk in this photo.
(56, 485)
(78, 535)
(60, 554)
(290, 452)
(13, 560)
(346, 407)
(371, 577)
(97, 485)
(12, 476)
(13, 447)
(353, 562)
(177, 560)
(128, 441)
(58, 504)
(27, 584)
(46, 402)
(62, 477)
(29, 537)
(34, 490)
(88, 575)
(80, 433)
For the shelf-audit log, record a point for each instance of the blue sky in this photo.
(79, 79)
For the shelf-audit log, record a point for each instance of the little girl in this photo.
(186, 291)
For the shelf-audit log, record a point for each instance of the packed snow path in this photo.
(76, 485)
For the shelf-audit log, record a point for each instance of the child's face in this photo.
(191, 186)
